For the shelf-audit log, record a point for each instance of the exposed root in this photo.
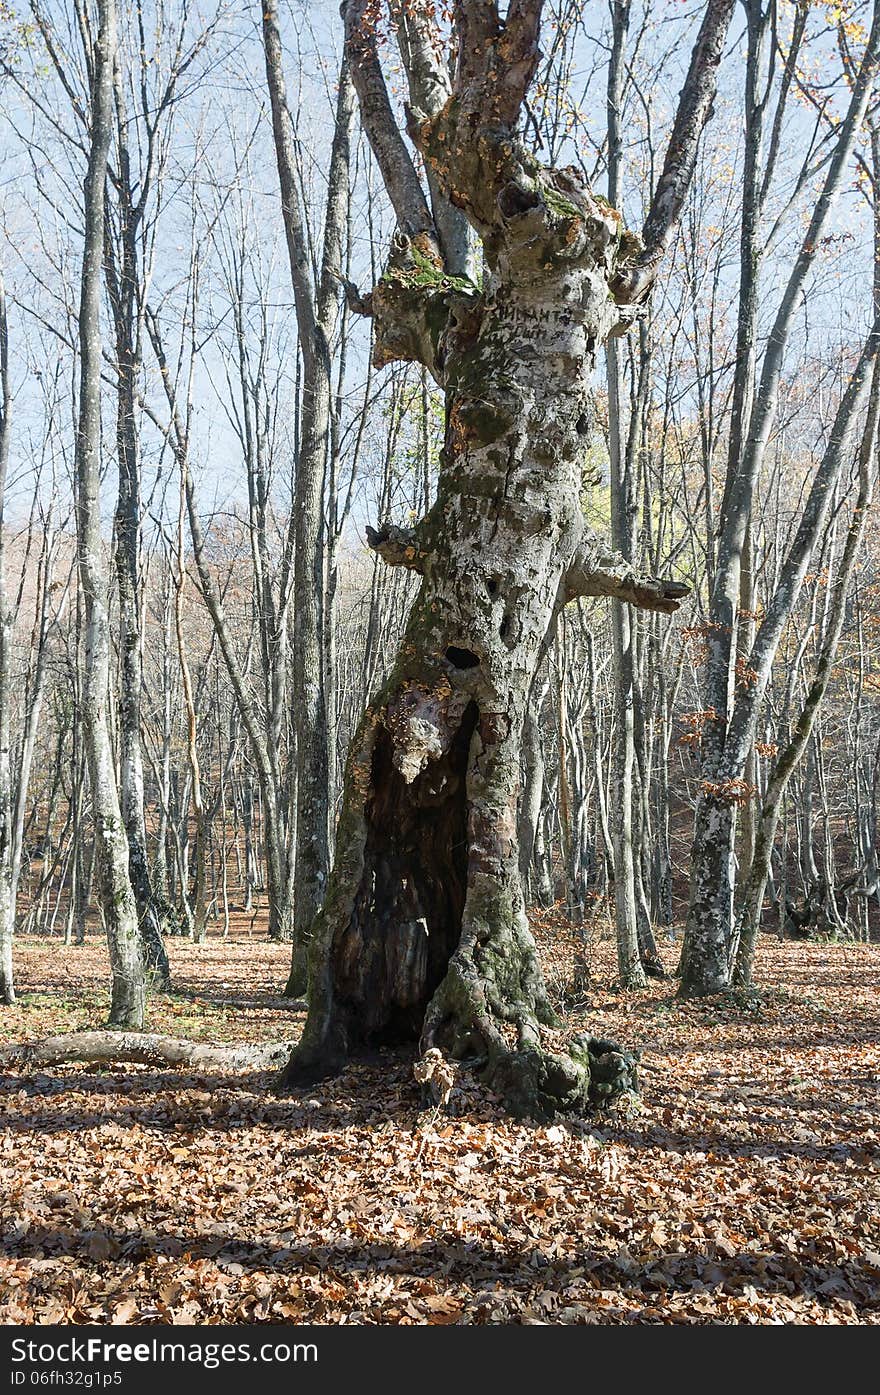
(532, 1081)
(536, 1083)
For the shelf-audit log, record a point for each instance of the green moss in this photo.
(607, 208)
(426, 275)
(558, 204)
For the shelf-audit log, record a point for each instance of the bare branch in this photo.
(421, 48)
(476, 28)
(694, 110)
(294, 223)
(377, 117)
(143, 1048)
(597, 570)
(518, 55)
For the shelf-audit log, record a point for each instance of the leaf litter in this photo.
(741, 1186)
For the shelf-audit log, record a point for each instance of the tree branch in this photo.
(477, 24)
(294, 222)
(377, 117)
(146, 1049)
(599, 571)
(399, 547)
(694, 110)
(518, 55)
(430, 87)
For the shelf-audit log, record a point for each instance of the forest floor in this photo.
(743, 1187)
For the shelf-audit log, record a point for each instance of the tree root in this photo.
(533, 1082)
(589, 1075)
(466, 1016)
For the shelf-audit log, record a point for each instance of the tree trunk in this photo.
(117, 899)
(424, 931)
(316, 300)
(705, 966)
(143, 1048)
(753, 897)
(532, 790)
(733, 706)
(7, 884)
(128, 548)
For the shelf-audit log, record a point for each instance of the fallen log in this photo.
(144, 1049)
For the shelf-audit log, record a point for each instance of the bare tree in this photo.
(316, 296)
(733, 705)
(143, 130)
(118, 903)
(7, 890)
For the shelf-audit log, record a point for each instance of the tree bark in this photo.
(7, 880)
(424, 931)
(123, 294)
(117, 899)
(316, 301)
(733, 707)
(143, 1048)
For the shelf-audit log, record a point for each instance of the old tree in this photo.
(423, 933)
(505, 279)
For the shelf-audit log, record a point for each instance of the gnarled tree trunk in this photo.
(423, 933)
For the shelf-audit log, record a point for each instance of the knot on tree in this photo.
(588, 1076)
(422, 723)
(413, 306)
(399, 547)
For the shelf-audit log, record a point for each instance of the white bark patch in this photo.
(416, 743)
(422, 723)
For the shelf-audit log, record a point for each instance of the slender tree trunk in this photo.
(128, 549)
(749, 919)
(629, 964)
(532, 789)
(316, 302)
(7, 882)
(124, 299)
(118, 904)
(199, 909)
(733, 707)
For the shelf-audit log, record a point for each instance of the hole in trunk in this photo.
(462, 658)
(514, 200)
(406, 920)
